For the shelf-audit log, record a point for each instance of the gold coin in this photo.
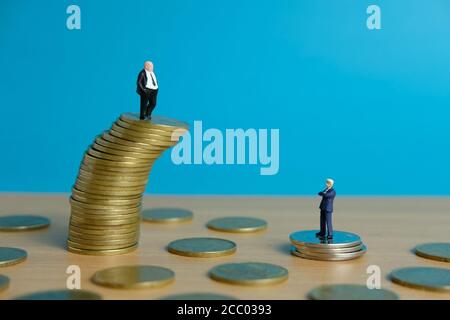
(122, 158)
(114, 178)
(135, 155)
(79, 220)
(158, 132)
(114, 211)
(11, 256)
(126, 148)
(112, 138)
(140, 134)
(94, 161)
(350, 292)
(237, 224)
(107, 217)
(133, 277)
(111, 192)
(115, 202)
(328, 256)
(199, 296)
(81, 246)
(115, 171)
(4, 282)
(150, 142)
(102, 252)
(101, 244)
(102, 197)
(166, 215)
(93, 187)
(104, 220)
(156, 122)
(426, 278)
(100, 183)
(434, 251)
(23, 222)
(106, 229)
(105, 237)
(109, 231)
(75, 203)
(249, 273)
(65, 294)
(103, 212)
(202, 247)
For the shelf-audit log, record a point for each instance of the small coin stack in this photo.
(106, 198)
(343, 246)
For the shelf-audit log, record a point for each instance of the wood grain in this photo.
(390, 227)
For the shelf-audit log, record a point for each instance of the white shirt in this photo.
(149, 80)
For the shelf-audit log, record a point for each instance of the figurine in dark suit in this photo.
(326, 210)
(147, 88)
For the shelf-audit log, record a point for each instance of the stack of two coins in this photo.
(106, 198)
(343, 246)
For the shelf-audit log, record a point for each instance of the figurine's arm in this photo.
(327, 194)
(141, 75)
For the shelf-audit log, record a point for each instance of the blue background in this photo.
(369, 108)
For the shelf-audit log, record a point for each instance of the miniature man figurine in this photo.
(147, 88)
(326, 210)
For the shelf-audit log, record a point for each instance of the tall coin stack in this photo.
(106, 198)
(343, 246)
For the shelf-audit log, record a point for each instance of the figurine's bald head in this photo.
(329, 183)
(148, 65)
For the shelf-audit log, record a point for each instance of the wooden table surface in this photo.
(389, 226)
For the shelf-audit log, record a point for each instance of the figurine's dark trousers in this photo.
(148, 102)
(326, 222)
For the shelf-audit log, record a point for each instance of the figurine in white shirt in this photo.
(147, 88)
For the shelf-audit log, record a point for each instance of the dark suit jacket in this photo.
(141, 82)
(327, 200)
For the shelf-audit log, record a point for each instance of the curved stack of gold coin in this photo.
(106, 198)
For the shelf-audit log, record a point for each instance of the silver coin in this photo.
(340, 239)
(308, 250)
(330, 257)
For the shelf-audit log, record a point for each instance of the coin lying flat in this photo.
(340, 239)
(4, 282)
(249, 273)
(330, 256)
(11, 256)
(61, 295)
(23, 222)
(350, 292)
(202, 247)
(237, 224)
(198, 296)
(434, 251)
(426, 278)
(132, 277)
(166, 215)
